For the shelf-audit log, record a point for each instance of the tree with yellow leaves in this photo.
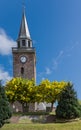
(49, 91)
(21, 90)
(25, 91)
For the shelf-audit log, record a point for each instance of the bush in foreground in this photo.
(68, 105)
(5, 112)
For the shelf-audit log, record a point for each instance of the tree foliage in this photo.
(22, 90)
(68, 106)
(49, 91)
(5, 111)
(25, 91)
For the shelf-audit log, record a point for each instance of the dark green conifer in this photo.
(5, 112)
(68, 106)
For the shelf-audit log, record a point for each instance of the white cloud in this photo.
(60, 55)
(6, 43)
(48, 71)
(63, 54)
(55, 63)
(4, 75)
(74, 46)
(43, 78)
(57, 60)
(44, 74)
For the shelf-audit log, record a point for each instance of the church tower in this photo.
(24, 55)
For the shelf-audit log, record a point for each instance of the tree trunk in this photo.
(25, 107)
(22, 107)
(51, 106)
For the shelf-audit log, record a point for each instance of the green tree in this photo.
(5, 111)
(22, 90)
(68, 106)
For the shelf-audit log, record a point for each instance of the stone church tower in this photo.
(24, 55)
(24, 59)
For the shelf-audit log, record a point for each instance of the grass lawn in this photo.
(76, 125)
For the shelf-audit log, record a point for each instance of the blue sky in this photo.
(55, 28)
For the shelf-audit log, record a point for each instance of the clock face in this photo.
(23, 59)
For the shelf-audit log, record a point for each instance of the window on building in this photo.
(28, 43)
(23, 43)
(18, 44)
(22, 70)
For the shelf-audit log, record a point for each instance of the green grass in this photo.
(76, 125)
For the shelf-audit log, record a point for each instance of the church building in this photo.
(24, 58)
(24, 55)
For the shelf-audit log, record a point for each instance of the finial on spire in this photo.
(23, 5)
(24, 31)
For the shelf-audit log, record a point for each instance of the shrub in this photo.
(5, 112)
(68, 105)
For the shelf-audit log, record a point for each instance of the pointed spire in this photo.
(24, 31)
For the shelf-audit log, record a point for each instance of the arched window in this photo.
(22, 70)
